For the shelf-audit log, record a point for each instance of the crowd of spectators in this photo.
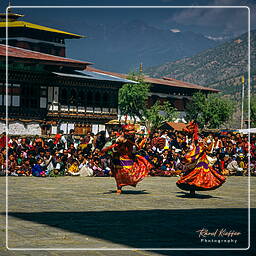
(62, 155)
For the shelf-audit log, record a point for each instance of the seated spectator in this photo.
(233, 167)
(26, 168)
(37, 169)
(73, 170)
(97, 169)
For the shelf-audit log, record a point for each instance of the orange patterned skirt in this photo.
(128, 172)
(202, 177)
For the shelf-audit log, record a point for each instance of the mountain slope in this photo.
(220, 67)
(121, 48)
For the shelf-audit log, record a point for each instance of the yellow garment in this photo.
(73, 168)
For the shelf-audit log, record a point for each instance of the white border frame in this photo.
(133, 249)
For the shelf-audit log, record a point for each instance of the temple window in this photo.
(2, 91)
(29, 96)
(43, 97)
(43, 91)
(13, 95)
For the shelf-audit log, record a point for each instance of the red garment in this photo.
(3, 141)
(57, 138)
(128, 169)
(201, 175)
(192, 127)
(195, 131)
(222, 164)
(158, 142)
(245, 147)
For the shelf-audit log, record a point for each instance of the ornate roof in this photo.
(25, 55)
(14, 23)
(160, 81)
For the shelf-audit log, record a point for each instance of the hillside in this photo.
(122, 47)
(220, 67)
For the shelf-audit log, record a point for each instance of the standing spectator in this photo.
(100, 140)
(48, 161)
(70, 138)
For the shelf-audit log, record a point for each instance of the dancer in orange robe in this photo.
(200, 174)
(128, 168)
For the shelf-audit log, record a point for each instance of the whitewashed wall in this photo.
(2, 127)
(66, 127)
(97, 128)
(54, 129)
(18, 128)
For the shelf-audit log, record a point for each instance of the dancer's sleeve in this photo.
(109, 147)
(142, 143)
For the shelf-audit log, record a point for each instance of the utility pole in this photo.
(242, 106)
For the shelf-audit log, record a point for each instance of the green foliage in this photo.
(56, 173)
(196, 107)
(136, 76)
(132, 99)
(209, 111)
(158, 114)
(253, 111)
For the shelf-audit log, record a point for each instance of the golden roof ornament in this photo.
(10, 15)
(141, 68)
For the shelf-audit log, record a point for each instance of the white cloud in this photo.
(226, 19)
(219, 38)
(175, 30)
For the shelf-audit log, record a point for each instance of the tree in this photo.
(209, 111)
(196, 107)
(253, 110)
(132, 99)
(218, 110)
(158, 114)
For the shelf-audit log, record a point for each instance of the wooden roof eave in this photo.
(79, 66)
(178, 87)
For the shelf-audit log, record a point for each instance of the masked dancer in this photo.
(200, 174)
(128, 167)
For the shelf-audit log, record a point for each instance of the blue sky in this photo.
(210, 20)
(214, 22)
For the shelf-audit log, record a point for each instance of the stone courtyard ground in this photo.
(79, 212)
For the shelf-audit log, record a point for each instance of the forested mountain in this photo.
(220, 67)
(122, 47)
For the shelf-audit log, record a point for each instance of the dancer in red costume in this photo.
(128, 168)
(200, 174)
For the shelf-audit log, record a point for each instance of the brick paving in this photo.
(84, 212)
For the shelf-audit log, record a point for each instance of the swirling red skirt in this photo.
(128, 172)
(202, 177)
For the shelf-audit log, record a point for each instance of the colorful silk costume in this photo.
(200, 174)
(128, 168)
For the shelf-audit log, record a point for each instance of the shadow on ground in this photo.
(150, 228)
(196, 196)
(128, 192)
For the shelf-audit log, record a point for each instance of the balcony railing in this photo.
(65, 109)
